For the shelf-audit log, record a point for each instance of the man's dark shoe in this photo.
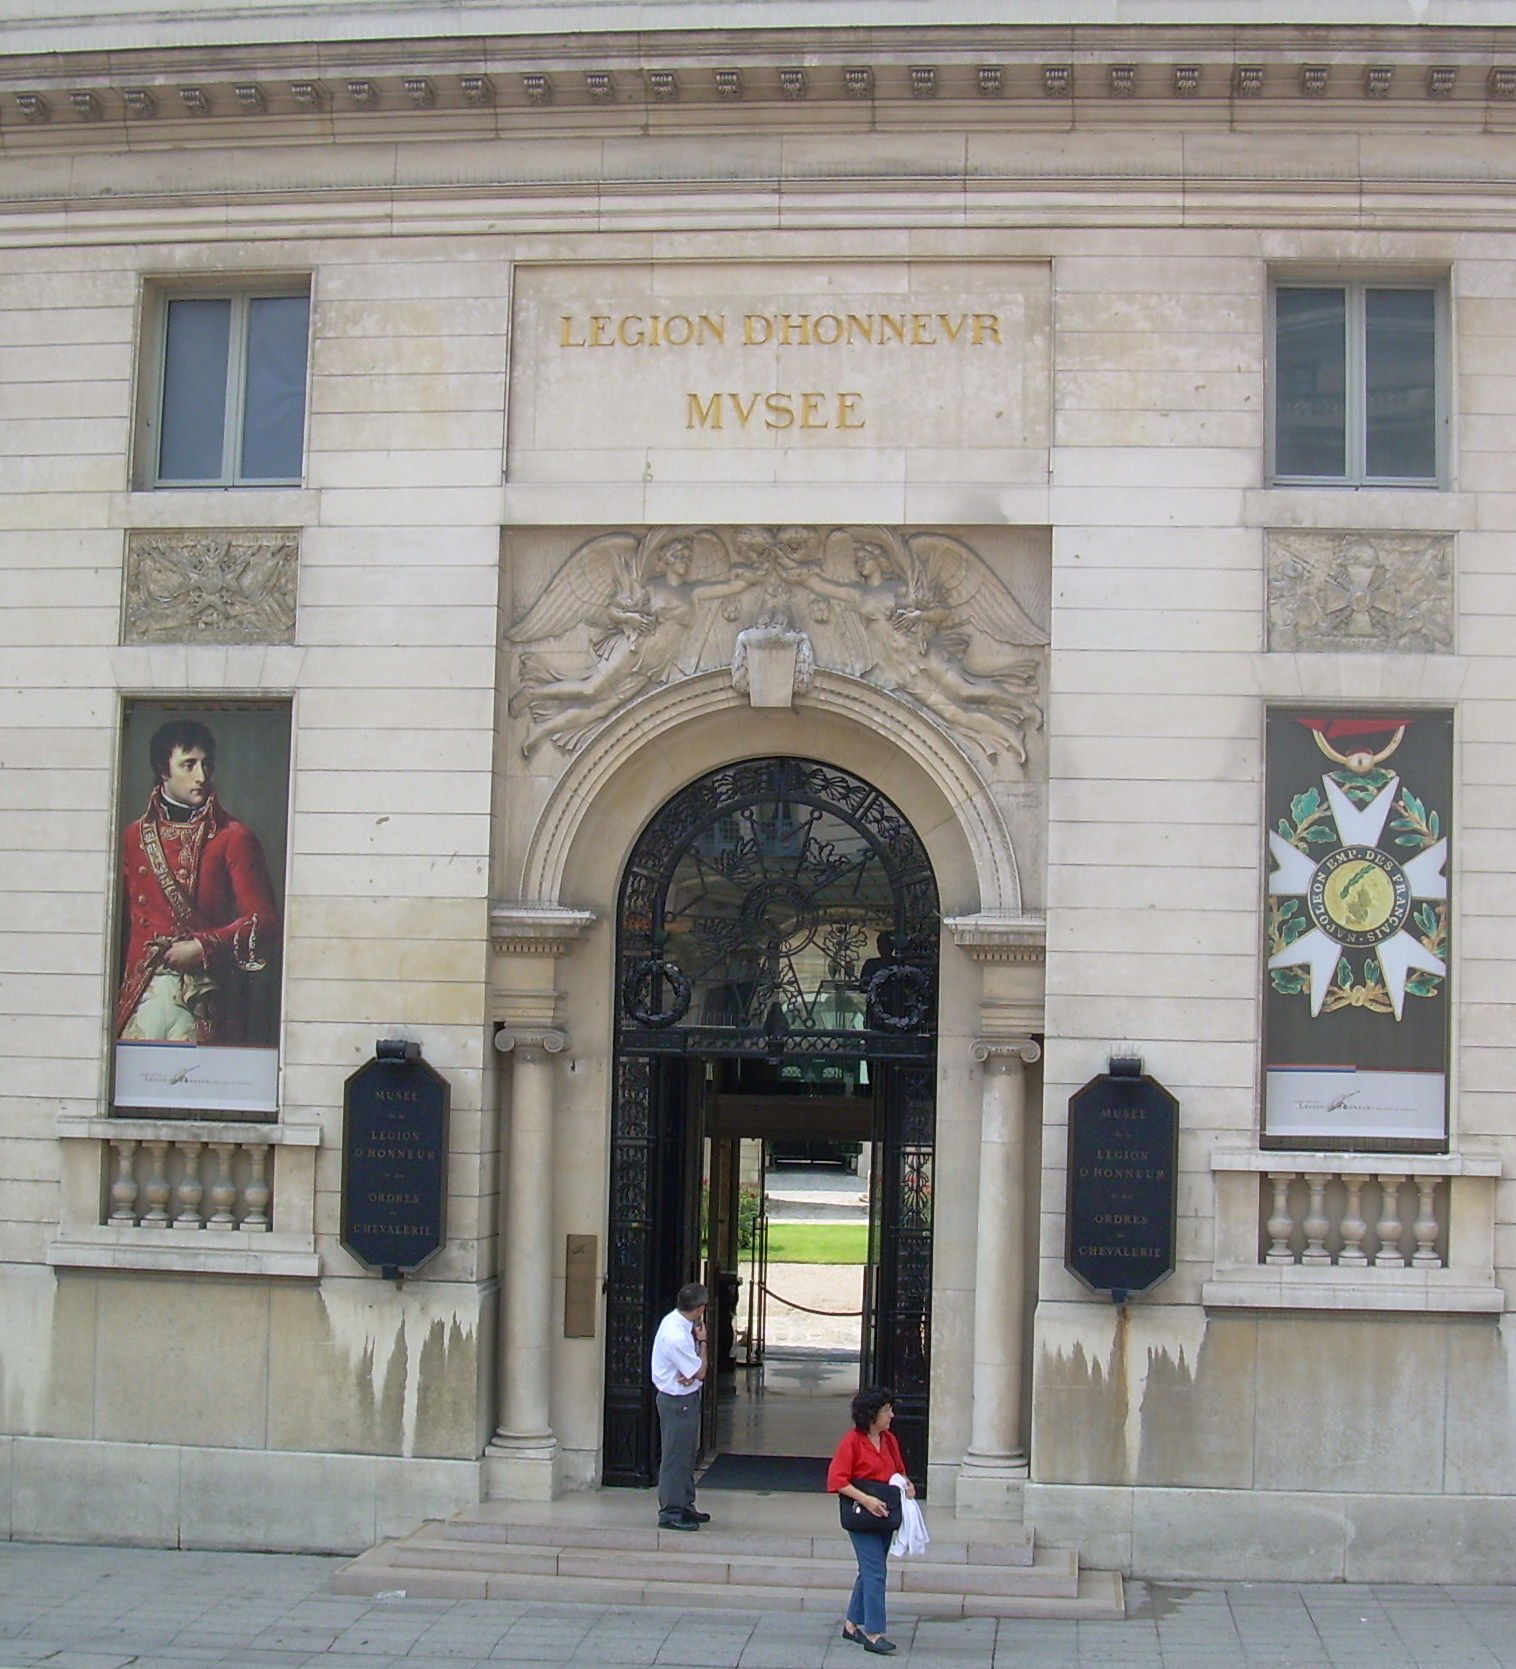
(698, 1516)
(676, 1521)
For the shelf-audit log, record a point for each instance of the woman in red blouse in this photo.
(868, 1451)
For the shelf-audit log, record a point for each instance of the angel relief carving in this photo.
(919, 614)
(916, 605)
(646, 613)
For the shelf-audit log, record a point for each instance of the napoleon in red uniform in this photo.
(199, 905)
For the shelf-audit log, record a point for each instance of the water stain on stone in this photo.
(1156, 1600)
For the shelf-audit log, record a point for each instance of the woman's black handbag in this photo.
(855, 1516)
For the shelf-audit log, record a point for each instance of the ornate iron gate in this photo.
(779, 911)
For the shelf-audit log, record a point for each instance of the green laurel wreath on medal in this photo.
(1310, 825)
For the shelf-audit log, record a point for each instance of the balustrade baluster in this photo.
(1389, 1255)
(223, 1188)
(191, 1191)
(157, 1186)
(1281, 1224)
(257, 1193)
(1317, 1223)
(1353, 1225)
(1425, 1227)
(124, 1184)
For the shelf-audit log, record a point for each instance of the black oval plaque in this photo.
(394, 1164)
(1122, 1184)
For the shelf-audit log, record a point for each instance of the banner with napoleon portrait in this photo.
(1356, 998)
(201, 819)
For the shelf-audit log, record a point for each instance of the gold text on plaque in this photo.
(778, 409)
(785, 330)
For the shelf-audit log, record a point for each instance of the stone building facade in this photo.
(1092, 436)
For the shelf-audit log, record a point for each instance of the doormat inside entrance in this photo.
(790, 1472)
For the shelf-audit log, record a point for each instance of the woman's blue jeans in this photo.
(865, 1609)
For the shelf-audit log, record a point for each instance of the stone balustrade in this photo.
(1344, 1218)
(1354, 1230)
(191, 1183)
(186, 1194)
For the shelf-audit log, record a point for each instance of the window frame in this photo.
(241, 290)
(1355, 286)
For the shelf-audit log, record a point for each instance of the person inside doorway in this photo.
(679, 1364)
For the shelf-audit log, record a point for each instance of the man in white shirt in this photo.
(678, 1369)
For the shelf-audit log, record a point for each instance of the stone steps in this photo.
(576, 1553)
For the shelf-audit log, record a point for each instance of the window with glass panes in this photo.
(231, 407)
(1358, 383)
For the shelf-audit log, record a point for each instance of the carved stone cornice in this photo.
(518, 929)
(992, 936)
(266, 91)
(210, 586)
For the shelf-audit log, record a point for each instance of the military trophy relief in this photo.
(921, 615)
(1332, 591)
(211, 586)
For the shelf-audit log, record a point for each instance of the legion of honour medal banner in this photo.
(1357, 970)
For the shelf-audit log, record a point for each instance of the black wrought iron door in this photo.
(902, 1194)
(779, 912)
(653, 1246)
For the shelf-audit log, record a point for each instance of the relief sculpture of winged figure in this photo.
(918, 609)
(647, 602)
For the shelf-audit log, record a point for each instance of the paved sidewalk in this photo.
(129, 1608)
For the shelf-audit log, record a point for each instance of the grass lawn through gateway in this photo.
(818, 1242)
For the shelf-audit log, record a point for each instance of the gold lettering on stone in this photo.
(785, 330)
(804, 411)
(777, 409)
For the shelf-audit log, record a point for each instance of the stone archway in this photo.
(553, 984)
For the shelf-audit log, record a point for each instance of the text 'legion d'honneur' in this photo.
(778, 408)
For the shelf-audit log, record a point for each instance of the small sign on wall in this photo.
(394, 1161)
(581, 1289)
(1123, 1178)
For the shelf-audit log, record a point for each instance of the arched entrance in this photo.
(777, 937)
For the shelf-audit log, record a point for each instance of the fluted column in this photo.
(996, 1463)
(526, 1286)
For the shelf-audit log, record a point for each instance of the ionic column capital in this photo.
(1001, 1054)
(531, 1045)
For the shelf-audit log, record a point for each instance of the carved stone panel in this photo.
(204, 586)
(920, 613)
(1331, 592)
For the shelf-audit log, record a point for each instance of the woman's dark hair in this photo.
(868, 1402)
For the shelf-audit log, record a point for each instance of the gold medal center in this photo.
(1359, 897)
